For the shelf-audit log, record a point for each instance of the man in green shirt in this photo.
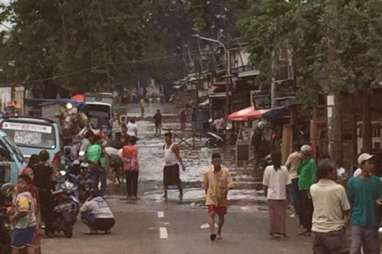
(306, 171)
(97, 173)
(365, 194)
(93, 153)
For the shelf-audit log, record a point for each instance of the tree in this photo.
(87, 44)
(72, 43)
(335, 45)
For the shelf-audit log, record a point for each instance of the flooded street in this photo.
(197, 161)
(151, 225)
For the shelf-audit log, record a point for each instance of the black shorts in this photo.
(103, 224)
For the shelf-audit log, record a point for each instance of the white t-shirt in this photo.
(98, 207)
(329, 201)
(276, 181)
(132, 129)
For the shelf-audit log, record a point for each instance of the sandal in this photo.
(305, 233)
(91, 233)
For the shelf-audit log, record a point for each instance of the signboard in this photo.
(260, 100)
(27, 127)
(28, 138)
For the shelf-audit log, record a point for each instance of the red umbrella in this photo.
(247, 114)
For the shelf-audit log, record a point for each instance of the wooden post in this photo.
(355, 133)
(337, 130)
(366, 122)
(314, 132)
(287, 142)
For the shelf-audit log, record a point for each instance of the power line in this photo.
(60, 76)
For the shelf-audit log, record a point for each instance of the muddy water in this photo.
(197, 161)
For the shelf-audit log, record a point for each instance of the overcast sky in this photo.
(2, 27)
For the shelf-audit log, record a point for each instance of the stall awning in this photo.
(276, 113)
(37, 101)
(247, 114)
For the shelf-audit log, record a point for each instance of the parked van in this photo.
(100, 115)
(11, 160)
(32, 135)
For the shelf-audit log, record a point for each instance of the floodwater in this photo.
(197, 161)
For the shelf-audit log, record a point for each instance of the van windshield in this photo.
(14, 148)
(98, 114)
(33, 135)
(94, 110)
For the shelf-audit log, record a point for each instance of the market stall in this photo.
(243, 118)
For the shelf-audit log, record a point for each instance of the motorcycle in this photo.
(215, 140)
(86, 182)
(5, 239)
(65, 203)
(5, 226)
(262, 162)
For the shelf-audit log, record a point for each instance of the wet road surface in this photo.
(151, 225)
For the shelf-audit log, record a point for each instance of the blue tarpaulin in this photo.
(38, 101)
(276, 113)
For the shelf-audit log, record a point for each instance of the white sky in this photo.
(6, 24)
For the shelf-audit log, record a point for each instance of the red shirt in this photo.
(130, 158)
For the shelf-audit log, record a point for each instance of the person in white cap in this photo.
(361, 158)
(365, 193)
(306, 171)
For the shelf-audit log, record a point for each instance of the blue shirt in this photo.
(363, 194)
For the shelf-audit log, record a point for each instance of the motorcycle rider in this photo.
(96, 214)
(93, 157)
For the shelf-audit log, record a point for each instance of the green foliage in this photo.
(80, 44)
(335, 45)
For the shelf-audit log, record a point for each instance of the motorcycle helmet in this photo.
(7, 190)
(262, 124)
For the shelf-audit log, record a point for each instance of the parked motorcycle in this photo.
(215, 140)
(262, 162)
(65, 203)
(5, 239)
(86, 182)
(5, 226)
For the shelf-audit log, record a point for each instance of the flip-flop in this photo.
(306, 233)
(219, 237)
(91, 233)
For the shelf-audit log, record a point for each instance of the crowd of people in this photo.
(32, 203)
(32, 207)
(325, 204)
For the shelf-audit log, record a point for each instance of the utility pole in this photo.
(227, 60)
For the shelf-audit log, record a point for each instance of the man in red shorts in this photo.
(217, 181)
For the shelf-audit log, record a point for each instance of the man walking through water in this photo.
(158, 123)
(172, 159)
(217, 181)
